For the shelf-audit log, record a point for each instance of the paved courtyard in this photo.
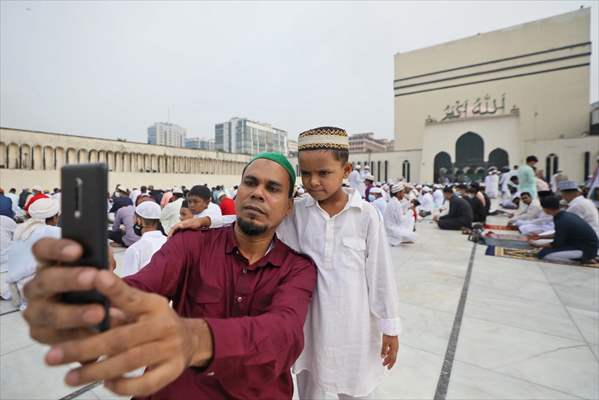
(474, 327)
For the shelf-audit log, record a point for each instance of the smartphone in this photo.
(84, 220)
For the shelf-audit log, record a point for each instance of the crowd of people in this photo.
(245, 306)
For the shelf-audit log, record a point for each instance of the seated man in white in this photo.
(399, 217)
(528, 212)
(21, 263)
(147, 224)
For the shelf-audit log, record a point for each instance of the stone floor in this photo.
(528, 330)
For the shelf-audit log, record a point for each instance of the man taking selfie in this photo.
(239, 301)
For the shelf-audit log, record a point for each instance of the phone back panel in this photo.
(84, 213)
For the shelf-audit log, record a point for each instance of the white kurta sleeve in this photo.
(131, 262)
(382, 289)
(222, 220)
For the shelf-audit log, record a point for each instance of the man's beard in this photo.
(249, 228)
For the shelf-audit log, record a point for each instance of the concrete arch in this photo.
(3, 155)
(25, 156)
(59, 157)
(126, 162)
(37, 157)
(102, 156)
(13, 156)
(82, 156)
(118, 162)
(71, 156)
(93, 156)
(110, 160)
(48, 158)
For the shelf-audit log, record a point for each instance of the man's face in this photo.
(322, 174)
(197, 204)
(569, 195)
(262, 197)
(185, 213)
(526, 199)
(447, 195)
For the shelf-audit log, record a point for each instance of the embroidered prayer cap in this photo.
(148, 210)
(376, 190)
(323, 138)
(279, 159)
(567, 185)
(43, 208)
(398, 187)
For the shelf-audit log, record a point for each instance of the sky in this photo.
(112, 69)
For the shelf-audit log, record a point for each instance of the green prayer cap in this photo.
(279, 159)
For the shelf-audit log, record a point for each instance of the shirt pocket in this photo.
(353, 253)
(209, 302)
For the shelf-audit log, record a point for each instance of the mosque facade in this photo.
(490, 101)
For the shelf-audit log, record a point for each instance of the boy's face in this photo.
(197, 204)
(185, 213)
(322, 174)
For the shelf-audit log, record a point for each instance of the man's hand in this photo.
(192, 223)
(389, 350)
(155, 337)
(533, 236)
(50, 320)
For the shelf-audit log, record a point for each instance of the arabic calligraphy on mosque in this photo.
(480, 107)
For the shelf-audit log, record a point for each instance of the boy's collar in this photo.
(355, 200)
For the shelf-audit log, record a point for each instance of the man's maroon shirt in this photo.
(256, 312)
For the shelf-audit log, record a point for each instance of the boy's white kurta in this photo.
(355, 300)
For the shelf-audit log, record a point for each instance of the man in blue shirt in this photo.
(574, 238)
(6, 208)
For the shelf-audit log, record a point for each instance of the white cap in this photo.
(177, 190)
(37, 188)
(369, 177)
(148, 210)
(44, 208)
(367, 166)
(376, 190)
(357, 166)
(426, 189)
(398, 187)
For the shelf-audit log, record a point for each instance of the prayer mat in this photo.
(506, 243)
(501, 227)
(529, 255)
(509, 236)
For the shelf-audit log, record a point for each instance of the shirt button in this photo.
(245, 270)
(239, 299)
(210, 373)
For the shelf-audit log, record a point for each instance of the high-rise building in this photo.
(199, 143)
(241, 135)
(166, 134)
(365, 142)
(292, 148)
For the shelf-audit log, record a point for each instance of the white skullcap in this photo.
(426, 189)
(148, 210)
(369, 177)
(367, 166)
(177, 190)
(376, 190)
(44, 208)
(398, 187)
(357, 166)
(37, 188)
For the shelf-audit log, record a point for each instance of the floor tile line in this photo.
(80, 391)
(522, 328)
(570, 315)
(519, 378)
(445, 375)
(15, 350)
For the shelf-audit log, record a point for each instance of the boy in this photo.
(199, 202)
(353, 320)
